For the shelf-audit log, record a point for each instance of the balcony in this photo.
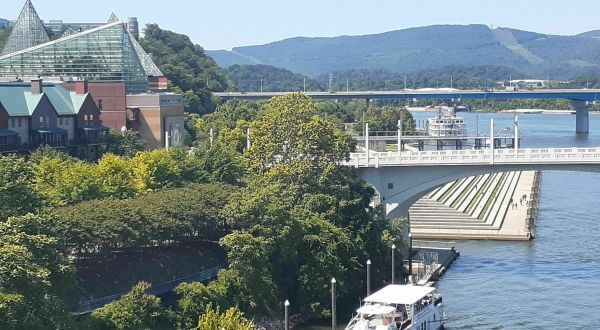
(91, 135)
(9, 141)
(50, 136)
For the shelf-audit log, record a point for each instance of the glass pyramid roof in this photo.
(107, 53)
(27, 32)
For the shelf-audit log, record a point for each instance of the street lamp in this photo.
(393, 263)
(287, 314)
(410, 254)
(333, 317)
(368, 277)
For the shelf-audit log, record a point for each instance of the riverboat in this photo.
(400, 307)
(446, 124)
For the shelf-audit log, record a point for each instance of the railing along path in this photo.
(477, 157)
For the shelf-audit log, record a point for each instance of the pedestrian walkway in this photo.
(484, 207)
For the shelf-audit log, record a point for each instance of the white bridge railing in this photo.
(482, 156)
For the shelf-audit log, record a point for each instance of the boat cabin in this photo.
(397, 307)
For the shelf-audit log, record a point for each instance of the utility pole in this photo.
(330, 82)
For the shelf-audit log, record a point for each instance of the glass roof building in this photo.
(27, 32)
(108, 53)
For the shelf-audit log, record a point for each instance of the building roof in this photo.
(107, 53)
(27, 32)
(7, 132)
(400, 294)
(18, 100)
(50, 130)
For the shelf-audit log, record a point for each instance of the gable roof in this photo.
(18, 100)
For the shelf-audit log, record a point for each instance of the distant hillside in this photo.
(250, 78)
(463, 77)
(428, 47)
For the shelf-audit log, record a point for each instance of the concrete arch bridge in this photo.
(401, 179)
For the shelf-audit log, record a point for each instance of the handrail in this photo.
(572, 155)
(90, 305)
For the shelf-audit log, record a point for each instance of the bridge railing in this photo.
(458, 157)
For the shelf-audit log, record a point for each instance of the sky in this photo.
(224, 24)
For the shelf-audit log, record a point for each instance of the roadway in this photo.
(589, 95)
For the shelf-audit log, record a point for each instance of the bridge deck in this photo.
(477, 157)
(570, 94)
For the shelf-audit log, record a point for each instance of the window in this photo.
(12, 122)
(47, 121)
(85, 119)
(19, 121)
(390, 186)
(99, 104)
(91, 119)
(60, 122)
(42, 121)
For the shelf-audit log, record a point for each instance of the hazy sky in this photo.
(223, 24)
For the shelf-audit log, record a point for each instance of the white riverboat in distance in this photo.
(400, 307)
(446, 124)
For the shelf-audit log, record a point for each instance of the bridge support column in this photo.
(582, 125)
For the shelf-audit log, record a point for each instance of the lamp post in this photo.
(287, 315)
(393, 263)
(410, 254)
(369, 277)
(333, 316)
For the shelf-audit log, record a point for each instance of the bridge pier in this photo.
(582, 124)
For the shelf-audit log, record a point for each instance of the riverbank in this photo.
(498, 206)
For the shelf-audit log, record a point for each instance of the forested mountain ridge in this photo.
(414, 49)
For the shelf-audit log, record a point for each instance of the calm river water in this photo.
(552, 281)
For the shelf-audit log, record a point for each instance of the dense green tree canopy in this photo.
(126, 143)
(17, 194)
(186, 66)
(386, 119)
(34, 271)
(135, 310)
(251, 78)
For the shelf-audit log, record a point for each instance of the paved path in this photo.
(431, 218)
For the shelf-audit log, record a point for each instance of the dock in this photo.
(431, 259)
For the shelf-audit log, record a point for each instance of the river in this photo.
(552, 281)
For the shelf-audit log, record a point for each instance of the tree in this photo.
(220, 163)
(135, 310)
(232, 319)
(127, 143)
(115, 177)
(386, 119)
(34, 272)
(17, 187)
(290, 133)
(187, 67)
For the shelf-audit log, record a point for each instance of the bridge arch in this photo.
(401, 186)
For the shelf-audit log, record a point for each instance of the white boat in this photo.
(400, 307)
(446, 124)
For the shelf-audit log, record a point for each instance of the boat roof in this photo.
(400, 294)
(376, 309)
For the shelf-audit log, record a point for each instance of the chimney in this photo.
(81, 87)
(36, 86)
